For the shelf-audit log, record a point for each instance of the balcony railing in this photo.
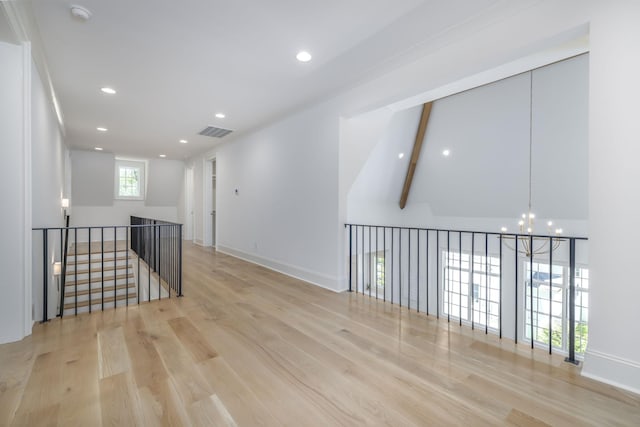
(83, 269)
(484, 280)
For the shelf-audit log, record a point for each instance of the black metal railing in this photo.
(538, 284)
(159, 244)
(106, 266)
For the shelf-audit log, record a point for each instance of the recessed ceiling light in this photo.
(108, 90)
(98, 148)
(303, 56)
(503, 229)
(163, 155)
(183, 141)
(446, 152)
(220, 115)
(400, 155)
(101, 129)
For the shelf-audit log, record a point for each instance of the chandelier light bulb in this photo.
(532, 215)
(550, 223)
(529, 229)
(503, 229)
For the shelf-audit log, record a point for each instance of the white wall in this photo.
(92, 198)
(485, 178)
(15, 169)
(285, 211)
(48, 162)
(613, 352)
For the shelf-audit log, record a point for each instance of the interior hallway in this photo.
(248, 346)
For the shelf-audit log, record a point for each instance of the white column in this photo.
(15, 174)
(613, 353)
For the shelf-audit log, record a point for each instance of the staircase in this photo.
(100, 275)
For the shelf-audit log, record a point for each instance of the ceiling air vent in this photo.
(215, 132)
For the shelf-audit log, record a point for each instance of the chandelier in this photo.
(525, 241)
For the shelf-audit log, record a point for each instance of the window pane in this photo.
(129, 181)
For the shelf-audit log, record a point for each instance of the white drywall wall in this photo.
(613, 351)
(15, 160)
(48, 162)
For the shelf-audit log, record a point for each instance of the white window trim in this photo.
(140, 164)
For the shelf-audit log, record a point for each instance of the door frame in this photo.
(207, 188)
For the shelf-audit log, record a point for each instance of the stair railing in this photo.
(93, 253)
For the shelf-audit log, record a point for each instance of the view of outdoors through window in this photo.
(128, 181)
(546, 301)
(480, 302)
(550, 305)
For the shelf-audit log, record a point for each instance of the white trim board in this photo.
(318, 279)
(612, 370)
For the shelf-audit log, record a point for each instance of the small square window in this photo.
(129, 180)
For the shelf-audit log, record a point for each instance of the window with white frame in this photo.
(129, 180)
(549, 298)
(476, 301)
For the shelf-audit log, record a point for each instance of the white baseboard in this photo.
(612, 370)
(309, 276)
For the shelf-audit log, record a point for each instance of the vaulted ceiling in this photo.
(175, 64)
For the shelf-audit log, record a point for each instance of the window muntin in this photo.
(550, 294)
(129, 180)
(464, 300)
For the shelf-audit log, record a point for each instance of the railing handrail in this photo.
(86, 227)
(490, 233)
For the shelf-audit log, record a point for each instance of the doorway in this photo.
(189, 231)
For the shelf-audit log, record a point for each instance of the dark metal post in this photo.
(572, 302)
(531, 285)
(515, 252)
(418, 272)
(126, 265)
(350, 255)
(102, 265)
(400, 266)
(350, 288)
(550, 294)
(89, 274)
(500, 290)
(384, 251)
(486, 283)
(180, 263)
(437, 274)
(392, 239)
(45, 275)
(473, 279)
(427, 270)
(460, 278)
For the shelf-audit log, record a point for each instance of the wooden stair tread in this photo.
(97, 280)
(106, 300)
(98, 290)
(73, 272)
(97, 260)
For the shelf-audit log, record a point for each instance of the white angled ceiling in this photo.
(177, 63)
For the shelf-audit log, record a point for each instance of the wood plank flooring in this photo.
(247, 346)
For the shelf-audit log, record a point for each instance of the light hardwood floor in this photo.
(247, 346)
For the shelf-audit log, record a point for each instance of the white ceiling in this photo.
(177, 63)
